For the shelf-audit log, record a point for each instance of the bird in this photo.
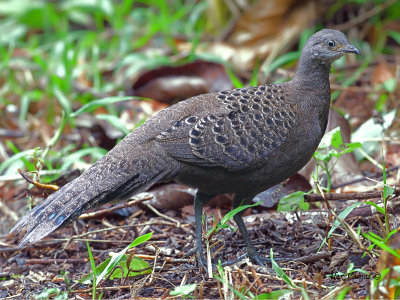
(241, 141)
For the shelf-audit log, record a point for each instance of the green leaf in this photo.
(279, 271)
(353, 146)
(48, 292)
(116, 257)
(64, 102)
(292, 202)
(380, 104)
(96, 271)
(350, 267)
(350, 80)
(336, 140)
(336, 224)
(254, 79)
(358, 270)
(394, 231)
(93, 265)
(394, 35)
(342, 294)
(11, 30)
(233, 212)
(185, 290)
(326, 140)
(375, 236)
(235, 80)
(98, 103)
(135, 264)
(95, 153)
(387, 192)
(282, 60)
(325, 156)
(274, 295)
(114, 121)
(378, 208)
(390, 85)
(378, 241)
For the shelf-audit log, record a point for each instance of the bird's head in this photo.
(328, 45)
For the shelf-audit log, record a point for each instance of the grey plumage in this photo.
(239, 141)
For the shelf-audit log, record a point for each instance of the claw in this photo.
(259, 260)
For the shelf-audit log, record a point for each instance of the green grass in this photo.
(69, 57)
(119, 265)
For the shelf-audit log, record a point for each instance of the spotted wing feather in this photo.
(253, 124)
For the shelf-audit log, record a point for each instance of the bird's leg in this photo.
(251, 251)
(200, 200)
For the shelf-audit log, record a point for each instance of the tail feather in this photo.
(51, 213)
(96, 186)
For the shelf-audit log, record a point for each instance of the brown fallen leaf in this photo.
(272, 196)
(171, 196)
(382, 72)
(171, 84)
(264, 29)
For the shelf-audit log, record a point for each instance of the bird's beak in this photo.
(350, 49)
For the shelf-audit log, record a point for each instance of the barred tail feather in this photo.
(111, 178)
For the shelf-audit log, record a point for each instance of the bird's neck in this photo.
(312, 84)
(311, 72)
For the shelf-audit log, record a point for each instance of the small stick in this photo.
(38, 184)
(98, 213)
(348, 196)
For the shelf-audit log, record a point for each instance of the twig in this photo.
(102, 212)
(37, 245)
(152, 277)
(313, 257)
(348, 196)
(153, 209)
(77, 237)
(33, 261)
(370, 158)
(38, 184)
(107, 288)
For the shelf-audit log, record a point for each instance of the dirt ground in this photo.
(294, 237)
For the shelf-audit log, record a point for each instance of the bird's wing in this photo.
(250, 125)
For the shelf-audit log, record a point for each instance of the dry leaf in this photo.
(264, 29)
(382, 73)
(171, 84)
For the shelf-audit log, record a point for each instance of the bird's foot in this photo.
(259, 260)
(202, 261)
(233, 261)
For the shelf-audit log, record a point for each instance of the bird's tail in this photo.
(116, 176)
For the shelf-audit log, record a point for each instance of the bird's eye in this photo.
(331, 43)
